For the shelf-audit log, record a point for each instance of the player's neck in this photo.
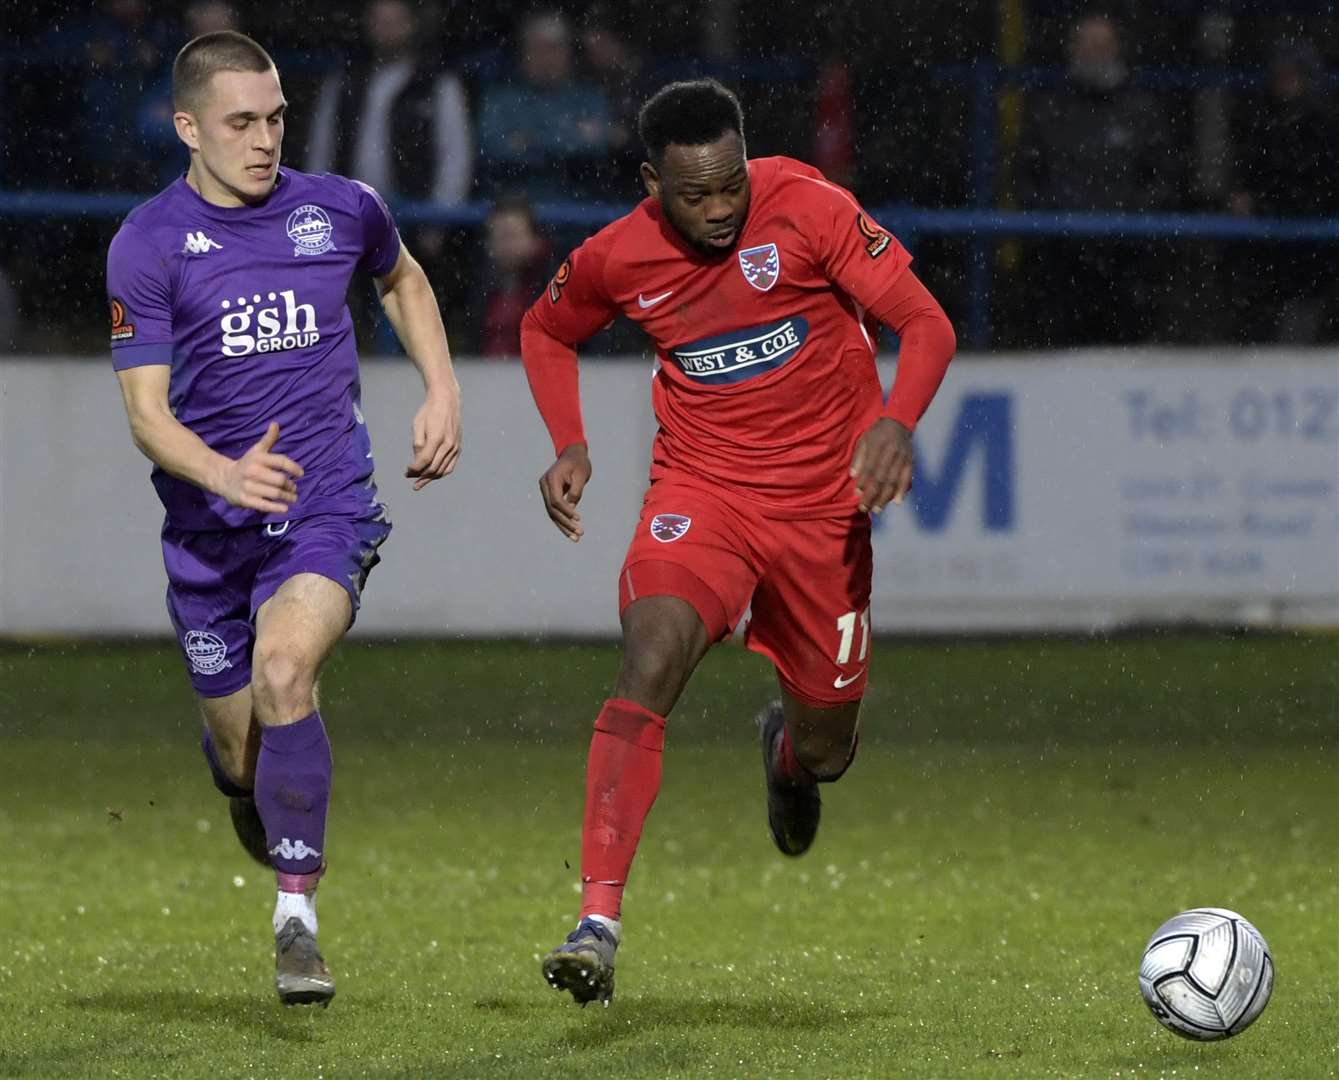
(214, 193)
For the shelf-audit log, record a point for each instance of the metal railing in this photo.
(983, 227)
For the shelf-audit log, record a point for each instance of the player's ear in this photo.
(651, 180)
(187, 131)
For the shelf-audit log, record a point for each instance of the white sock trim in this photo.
(289, 905)
(614, 926)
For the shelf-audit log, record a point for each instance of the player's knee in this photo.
(281, 679)
(651, 671)
(656, 663)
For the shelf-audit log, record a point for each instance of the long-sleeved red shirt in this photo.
(766, 375)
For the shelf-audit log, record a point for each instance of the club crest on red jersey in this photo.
(761, 266)
(669, 527)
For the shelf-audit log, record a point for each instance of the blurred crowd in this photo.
(516, 105)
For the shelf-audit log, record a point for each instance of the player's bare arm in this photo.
(259, 480)
(406, 295)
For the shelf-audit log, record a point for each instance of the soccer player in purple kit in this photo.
(236, 356)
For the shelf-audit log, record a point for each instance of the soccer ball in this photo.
(1206, 974)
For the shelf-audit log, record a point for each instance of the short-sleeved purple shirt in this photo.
(247, 306)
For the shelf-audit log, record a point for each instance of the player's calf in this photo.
(223, 777)
(822, 738)
(242, 810)
(793, 803)
(827, 759)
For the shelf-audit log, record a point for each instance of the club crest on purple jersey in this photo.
(311, 230)
(207, 653)
(761, 266)
(669, 527)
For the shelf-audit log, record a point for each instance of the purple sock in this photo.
(222, 780)
(293, 792)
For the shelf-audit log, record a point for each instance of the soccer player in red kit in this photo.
(762, 285)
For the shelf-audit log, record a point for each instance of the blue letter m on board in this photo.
(984, 426)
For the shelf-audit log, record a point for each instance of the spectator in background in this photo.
(395, 121)
(122, 50)
(545, 131)
(517, 271)
(1287, 161)
(1097, 143)
(619, 71)
(398, 121)
(157, 135)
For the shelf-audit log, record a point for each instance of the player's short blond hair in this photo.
(202, 57)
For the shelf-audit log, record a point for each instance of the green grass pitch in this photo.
(1023, 814)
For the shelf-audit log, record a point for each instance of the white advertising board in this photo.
(1101, 487)
(1069, 491)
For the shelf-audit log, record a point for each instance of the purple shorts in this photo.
(218, 580)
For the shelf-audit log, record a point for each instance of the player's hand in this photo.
(436, 437)
(261, 479)
(561, 486)
(882, 465)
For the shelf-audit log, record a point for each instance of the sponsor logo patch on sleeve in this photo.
(559, 280)
(876, 240)
(121, 330)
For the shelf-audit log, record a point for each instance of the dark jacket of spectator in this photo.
(397, 121)
(542, 130)
(1096, 143)
(1288, 157)
(1090, 149)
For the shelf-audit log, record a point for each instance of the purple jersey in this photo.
(247, 306)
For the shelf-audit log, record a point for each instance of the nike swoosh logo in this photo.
(644, 303)
(841, 684)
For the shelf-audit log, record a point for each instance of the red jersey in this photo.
(765, 372)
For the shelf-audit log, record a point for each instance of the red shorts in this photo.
(807, 582)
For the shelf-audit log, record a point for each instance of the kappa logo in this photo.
(310, 229)
(761, 266)
(207, 653)
(121, 330)
(670, 527)
(197, 243)
(877, 240)
(290, 849)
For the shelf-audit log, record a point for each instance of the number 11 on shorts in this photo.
(846, 625)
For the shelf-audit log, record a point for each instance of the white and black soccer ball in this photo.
(1206, 974)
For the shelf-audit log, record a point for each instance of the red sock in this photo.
(622, 781)
(788, 766)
